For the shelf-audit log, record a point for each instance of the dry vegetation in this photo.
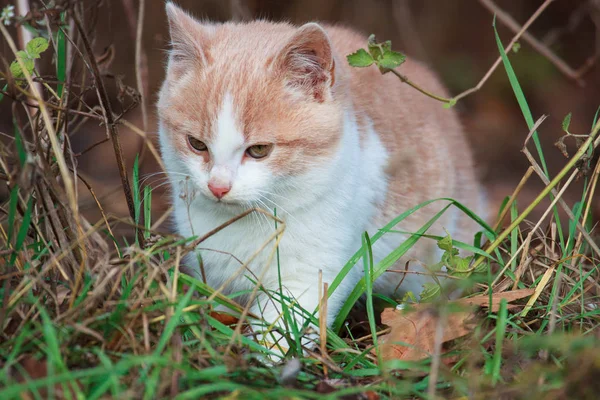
(89, 311)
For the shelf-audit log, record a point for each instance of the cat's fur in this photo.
(352, 150)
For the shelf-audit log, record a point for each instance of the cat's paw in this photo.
(278, 345)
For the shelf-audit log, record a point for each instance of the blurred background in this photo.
(455, 38)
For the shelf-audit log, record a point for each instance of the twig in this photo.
(554, 192)
(538, 46)
(141, 63)
(483, 80)
(56, 148)
(224, 225)
(512, 198)
(514, 40)
(415, 86)
(551, 185)
(109, 121)
(437, 351)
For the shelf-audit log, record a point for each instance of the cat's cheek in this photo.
(252, 179)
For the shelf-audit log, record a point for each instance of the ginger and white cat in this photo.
(270, 115)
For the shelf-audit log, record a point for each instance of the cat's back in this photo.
(385, 99)
(429, 154)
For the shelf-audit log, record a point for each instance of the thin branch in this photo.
(514, 40)
(420, 89)
(51, 133)
(547, 190)
(109, 120)
(141, 63)
(537, 45)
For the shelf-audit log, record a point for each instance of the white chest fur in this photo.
(339, 197)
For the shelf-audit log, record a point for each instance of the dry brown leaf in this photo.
(483, 300)
(223, 318)
(415, 328)
(31, 369)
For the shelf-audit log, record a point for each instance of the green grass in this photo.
(136, 326)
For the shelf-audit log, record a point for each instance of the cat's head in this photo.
(249, 111)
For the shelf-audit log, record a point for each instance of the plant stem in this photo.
(580, 152)
(420, 89)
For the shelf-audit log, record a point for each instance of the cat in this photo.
(270, 115)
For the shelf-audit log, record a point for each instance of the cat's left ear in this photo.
(188, 38)
(307, 63)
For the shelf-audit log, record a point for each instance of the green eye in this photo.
(196, 144)
(259, 151)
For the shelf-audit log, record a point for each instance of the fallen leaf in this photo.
(412, 334)
(223, 318)
(31, 369)
(483, 300)
(62, 293)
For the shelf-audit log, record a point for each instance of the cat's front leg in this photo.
(286, 312)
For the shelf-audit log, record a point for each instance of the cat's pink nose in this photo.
(218, 190)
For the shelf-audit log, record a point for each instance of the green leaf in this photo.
(21, 151)
(437, 267)
(430, 291)
(360, 59)
(460, 267)
(449, 104)
(61, 56)
(384, 264)
(566, 122)
(409, 297)
(516, 47)
(374, 47)
(15, 67)
(445, 243)
(483, 267)
(36, 46)
(383, 55)
(147, 211)
(391, 59)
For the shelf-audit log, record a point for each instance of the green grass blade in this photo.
(174, 321)
(368, 268)
(111, 381)
(381, 267)
(455, 243)
(387, 228)
(514, 235)
(61, 56)
(21, 150)
(518, 91)
(500, 335)
(205, 390)
(147, 211)
(12, 211)
(224, 329)
(22, 234)
(137, 204)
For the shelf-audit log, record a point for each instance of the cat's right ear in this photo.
(188, 38)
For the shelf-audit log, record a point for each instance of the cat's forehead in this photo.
(247, 95)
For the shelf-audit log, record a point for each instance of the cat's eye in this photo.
(259, 151)
(196, 144)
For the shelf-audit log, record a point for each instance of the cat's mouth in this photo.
(229, 204)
